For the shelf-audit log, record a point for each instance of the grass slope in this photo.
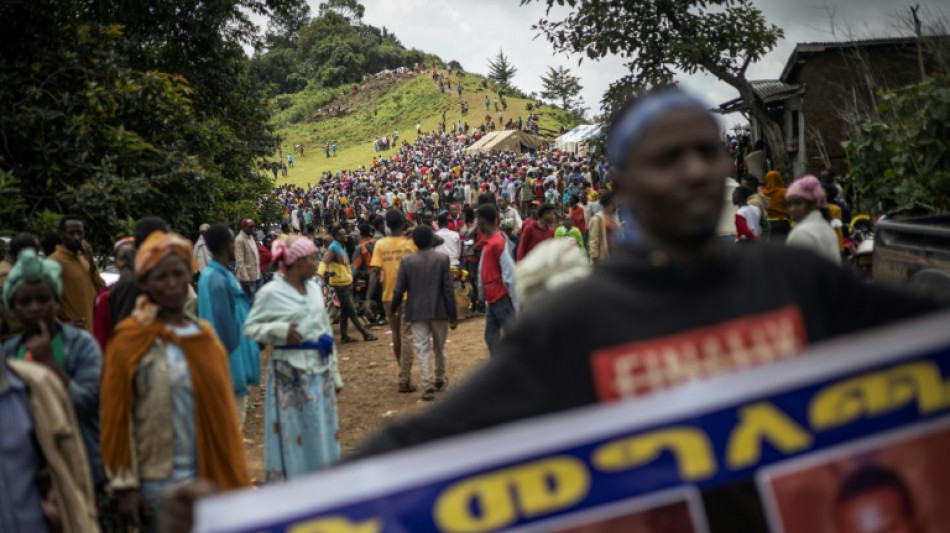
(380, 108)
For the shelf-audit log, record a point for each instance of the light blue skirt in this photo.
(300, 422)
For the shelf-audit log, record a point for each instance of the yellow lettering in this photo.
(496, 500)
(690, 447)
(878, 393)
(760, 422)
(337, 524)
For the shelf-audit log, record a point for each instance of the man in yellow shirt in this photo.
(337, 263)
(387, 254)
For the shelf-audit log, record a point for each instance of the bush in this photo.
(899, 159)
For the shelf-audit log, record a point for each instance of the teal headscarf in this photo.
(30, 268)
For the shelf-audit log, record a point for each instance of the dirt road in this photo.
(370, 398)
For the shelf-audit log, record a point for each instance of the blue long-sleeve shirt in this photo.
(225, 306)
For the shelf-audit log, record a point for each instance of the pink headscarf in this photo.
(808, 188)
(289, 249)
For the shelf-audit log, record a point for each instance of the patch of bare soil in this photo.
(370, 396)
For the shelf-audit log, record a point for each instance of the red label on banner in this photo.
(643, 367)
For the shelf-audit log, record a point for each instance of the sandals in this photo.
(428, 395)
(405, 388)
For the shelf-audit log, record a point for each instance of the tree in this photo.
(283, 29)
(562, 86)
(352, 10)
(720, 37)
(501, 70)
(87, 132)
(899, 158)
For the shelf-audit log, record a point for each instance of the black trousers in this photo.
(348, 310)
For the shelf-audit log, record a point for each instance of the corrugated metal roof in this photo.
(767, 90)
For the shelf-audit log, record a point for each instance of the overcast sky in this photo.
(470, 31)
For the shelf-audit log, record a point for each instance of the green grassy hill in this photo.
(379, 108)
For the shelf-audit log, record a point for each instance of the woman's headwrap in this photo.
(122, 242)
(643, 114)
(291, 248)
(31, 268)
(810, 189)
(773, 183)
(157, 247)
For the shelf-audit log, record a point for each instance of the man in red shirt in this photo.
(534, 234)
(497, 275)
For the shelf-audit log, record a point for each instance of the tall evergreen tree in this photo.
(501, 70)
(562, 86)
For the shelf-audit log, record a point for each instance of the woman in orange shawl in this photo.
(167, 410)
(777, 213)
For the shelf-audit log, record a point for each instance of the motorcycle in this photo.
(859, 246)
(330, 300)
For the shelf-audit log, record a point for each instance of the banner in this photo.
(848, 437)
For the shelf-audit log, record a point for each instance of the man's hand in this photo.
(87, 253)
(179, 508)
(368, 308)
(294, 338)
(131, 506)
(453, 324)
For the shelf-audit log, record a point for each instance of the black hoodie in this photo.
(545, 362)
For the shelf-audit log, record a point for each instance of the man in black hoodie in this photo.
(667, 306)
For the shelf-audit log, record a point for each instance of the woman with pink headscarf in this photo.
(808, 208)
(302, 377)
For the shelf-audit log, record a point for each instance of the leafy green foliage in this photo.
(657, 37)
(93, 126)
(563, 87)
(500, 70)
(900, 159)
(330, 50)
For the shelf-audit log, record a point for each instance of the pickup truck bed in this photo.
(914, 253)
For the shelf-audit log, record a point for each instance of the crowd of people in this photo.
(152, 372)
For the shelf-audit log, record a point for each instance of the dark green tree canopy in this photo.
(500, 69)
(562, 87)
(657, 37)
(332, 49)
(107, 117)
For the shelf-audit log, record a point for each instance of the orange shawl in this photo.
(775, 189)
(221, 455)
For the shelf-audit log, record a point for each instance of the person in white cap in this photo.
(201, 254)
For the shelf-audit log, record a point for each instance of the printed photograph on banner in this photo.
(674, 511)
(897, 482)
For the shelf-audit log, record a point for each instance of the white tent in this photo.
(574, 140)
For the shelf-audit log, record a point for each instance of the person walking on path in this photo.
(81, 280)
(303, 378)
(497, 275)
(167, 412)
(808, 207)
(247, 260)
(604, 227)
(569, 231)
(202, 255)
(337, 263)
(534, 234)
(387, 254)
(225, 306)
(431, 310)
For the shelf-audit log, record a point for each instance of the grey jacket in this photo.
(426, 276)
(84, 368)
